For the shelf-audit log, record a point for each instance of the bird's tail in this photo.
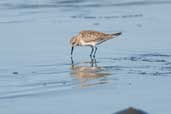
(117, 34)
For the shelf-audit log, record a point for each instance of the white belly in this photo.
(87, 43)
(91, 43)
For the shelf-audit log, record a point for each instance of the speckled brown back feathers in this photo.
(90, 36)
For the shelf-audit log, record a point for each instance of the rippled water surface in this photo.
(36, 71)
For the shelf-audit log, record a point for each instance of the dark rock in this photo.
(131, 110)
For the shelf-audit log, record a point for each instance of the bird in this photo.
(91, 38)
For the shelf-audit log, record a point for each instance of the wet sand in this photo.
(38, 76)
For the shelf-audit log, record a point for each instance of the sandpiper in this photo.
(91, 38)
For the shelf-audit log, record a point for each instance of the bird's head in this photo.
(73, 41)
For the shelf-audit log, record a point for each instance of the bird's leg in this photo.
(92, 50)
(95, 52)
(95, 62)
(92, 63)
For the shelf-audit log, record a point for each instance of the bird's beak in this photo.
(72, 49)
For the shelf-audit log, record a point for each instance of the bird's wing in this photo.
(89, 36)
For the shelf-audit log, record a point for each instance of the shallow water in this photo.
(132, 70)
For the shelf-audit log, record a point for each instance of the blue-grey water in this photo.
(37, 75)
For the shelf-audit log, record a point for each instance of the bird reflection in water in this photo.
(89, 74)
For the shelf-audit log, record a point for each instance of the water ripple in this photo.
(75, 3)
(37, 79)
